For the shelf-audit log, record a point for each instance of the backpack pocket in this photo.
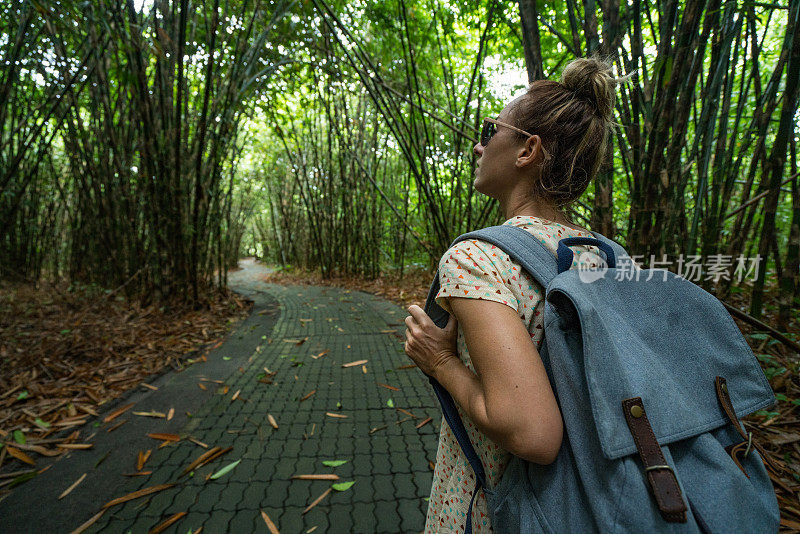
(513, 506)
(723, 498)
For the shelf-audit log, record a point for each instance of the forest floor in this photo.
(67, 351)
(64, 353)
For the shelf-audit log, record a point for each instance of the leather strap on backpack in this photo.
(734, 450)
(662, 479)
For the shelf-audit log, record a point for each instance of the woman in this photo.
(538, 156)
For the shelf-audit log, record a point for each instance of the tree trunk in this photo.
(530, 39)
(788, 293)
(777, 162)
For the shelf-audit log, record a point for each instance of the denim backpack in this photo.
(651, 375)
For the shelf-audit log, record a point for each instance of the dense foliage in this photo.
(147, 144)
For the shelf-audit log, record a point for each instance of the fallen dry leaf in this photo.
(71, 422)
(150, 414)
(136, 494)
(137, 474)
(72, 487)
(164, 437)
(198, 443)
(117, 425)
(148, 386)
(308, 395)
(410, 366)
(407, 412)
(389, 387)
(425, 422)
(89, 523)
(86, 409)
(320, 355)
(161, 527)
(236, 395)
(113, 415)
(38, 449)
(339, 415)
(317, 500)
(142, 458)
(364, 368)
(351, 364)
(199, 461)
(316, 477)
(170, 413)
(270, 525)
(272, 420)
(790, 524)
(19, 455)
(201, 386)
(218, 454)
(77, 446)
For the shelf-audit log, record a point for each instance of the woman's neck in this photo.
(532, 208)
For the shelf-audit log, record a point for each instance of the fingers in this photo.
(419, 315)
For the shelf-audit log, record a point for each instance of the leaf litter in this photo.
(67, 353)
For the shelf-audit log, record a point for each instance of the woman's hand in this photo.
(427, 344)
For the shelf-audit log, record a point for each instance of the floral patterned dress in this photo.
(477, 269)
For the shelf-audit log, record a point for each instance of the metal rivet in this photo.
(636, 411)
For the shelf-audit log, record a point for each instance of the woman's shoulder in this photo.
(473, 254)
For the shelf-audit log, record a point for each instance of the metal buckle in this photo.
(646, 469)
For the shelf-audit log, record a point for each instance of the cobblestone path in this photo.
(315, 332)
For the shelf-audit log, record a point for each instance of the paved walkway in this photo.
(389, 467)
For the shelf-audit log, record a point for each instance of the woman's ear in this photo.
(529, 152)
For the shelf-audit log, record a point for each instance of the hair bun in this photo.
(592, 78)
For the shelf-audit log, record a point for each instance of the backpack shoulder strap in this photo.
(619, 250)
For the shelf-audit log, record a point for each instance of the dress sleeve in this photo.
(474, 269)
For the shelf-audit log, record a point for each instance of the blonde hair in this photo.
(573, 117)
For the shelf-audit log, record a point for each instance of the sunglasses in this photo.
(490, 128)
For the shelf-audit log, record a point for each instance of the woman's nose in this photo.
(478, 149)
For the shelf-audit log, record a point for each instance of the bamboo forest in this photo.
(220, 221)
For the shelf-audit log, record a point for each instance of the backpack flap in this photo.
(664, 340)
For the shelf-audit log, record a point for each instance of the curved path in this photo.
(388, 457)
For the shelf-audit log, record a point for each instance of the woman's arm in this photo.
(510, 400)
